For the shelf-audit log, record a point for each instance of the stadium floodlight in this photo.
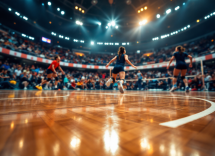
(49, 3)
(82, 41)
(58, 9)
(185, 28)
(106, 27)
(42, 4)
(62, 12)
(116, 27)
(143, 22)
(53, 33)
(176, 32)
(23, 35)
(113, 23)
(214, 13)
(79, 23)
(25, 18)
(184, 3)
(116, 43)
(158, 15)
(138, 51)
(168, 11)
(99, 23)
(9, 9)
(182, 29)
(109, 24)
(208, 16)
(75, 40)
(176, 8)
(127, 43)
(67, 38)
(60, 36)
(92, 43)
(188, 26)
(17, 13)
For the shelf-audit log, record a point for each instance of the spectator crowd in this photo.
(17, 76)
(21, 76)
(15, 42)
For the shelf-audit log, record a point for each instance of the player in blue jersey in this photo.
(121, 58)
(181, 66)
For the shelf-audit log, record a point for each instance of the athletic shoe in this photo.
(25, 88)
(173, 88)
(39, 87)
(205, 89)
(120, 87)
(109, 82)
(187, 90)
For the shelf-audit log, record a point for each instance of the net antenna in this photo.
(202, 70)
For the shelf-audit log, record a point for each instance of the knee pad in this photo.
(175, 76)
(123, 80)
(56, 78)
(48, 79)
(183, 77)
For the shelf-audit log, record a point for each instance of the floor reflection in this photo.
(75, 142)
(111, 140)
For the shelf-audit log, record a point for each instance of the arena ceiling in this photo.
(123, 12)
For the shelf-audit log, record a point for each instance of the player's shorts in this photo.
(48, 71)
(118, 68)
(181, 66)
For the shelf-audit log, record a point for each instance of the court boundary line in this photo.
(178, 122)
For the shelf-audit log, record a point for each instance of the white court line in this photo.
(182, 121)
(33, 97)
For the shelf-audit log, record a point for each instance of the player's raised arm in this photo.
(111, 61)
(127, 60)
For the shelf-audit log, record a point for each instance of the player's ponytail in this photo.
(121, 51)
(180, 49)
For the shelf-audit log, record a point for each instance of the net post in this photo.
(202, 70)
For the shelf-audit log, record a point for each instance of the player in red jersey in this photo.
(51, 72)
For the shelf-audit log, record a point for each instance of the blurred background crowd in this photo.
(23, 76)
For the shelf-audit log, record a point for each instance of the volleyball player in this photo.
(181, 66)
(51, 72)
(121, 58)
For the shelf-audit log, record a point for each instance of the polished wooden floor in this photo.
(100, 123)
